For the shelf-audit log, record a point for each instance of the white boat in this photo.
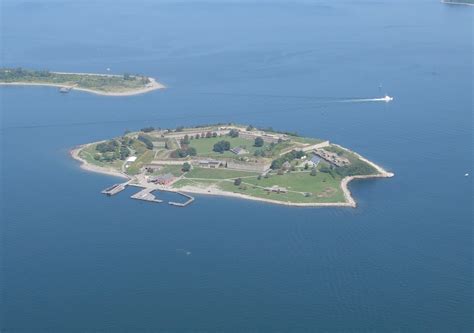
(387, 98)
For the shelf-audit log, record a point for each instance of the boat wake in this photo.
(385, 99)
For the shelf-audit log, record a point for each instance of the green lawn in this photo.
(204, 146)
(88, 154)
(284, 197)
(173, 169)
(218, 173)
(184, 182)
(323, 187)
(322, 184)
(144, 158)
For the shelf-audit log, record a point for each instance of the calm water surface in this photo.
(73, 260)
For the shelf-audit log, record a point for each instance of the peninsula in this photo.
(230, 160)
(101, 84)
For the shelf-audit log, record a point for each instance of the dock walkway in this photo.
(146, 195)
(184, 204)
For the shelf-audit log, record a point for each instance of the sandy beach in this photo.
(153, 85)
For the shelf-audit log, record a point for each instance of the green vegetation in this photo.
(144, 158)
(209, 165)
(259, 142)
(278, 163)
(186, 167)
(205, 146)
(102, 83)
(146, 140)
(357, 166)
(221, 146)
(221, 173)
(183, 152)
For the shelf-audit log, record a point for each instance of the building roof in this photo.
(131, 159)
(315, 159)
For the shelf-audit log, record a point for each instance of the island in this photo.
(459, 2)
(101, 84)
(230, 160)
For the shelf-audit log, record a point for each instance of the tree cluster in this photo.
(184, 152)
(146, 140)
(277, 164)
(221, 146)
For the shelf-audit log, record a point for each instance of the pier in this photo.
(114, 189)
(184, 204)
(146, 195)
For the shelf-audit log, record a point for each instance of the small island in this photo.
(101, 84)
(459, 2)
(230, 160)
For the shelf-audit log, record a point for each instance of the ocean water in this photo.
(74, 260)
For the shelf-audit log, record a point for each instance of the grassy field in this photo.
(144, 158)
(218, 173)
(322, 187)
(204, 146)
(175, 170)
(96, 82)
(299, 181)
(201, 183)
(334, 195)
(88, 154)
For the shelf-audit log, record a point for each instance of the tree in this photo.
(185, 140)
(148, 129)
(197, 136)
(234, 133)
(208, 135)
(306, 166)
(259, 142)
(186, 167)
(250, 127)
(146, 141)
(214, 135)
(221, 146)
(238, 181)
(191, 151)
(124, 152)
(313, 172)
(183, 152)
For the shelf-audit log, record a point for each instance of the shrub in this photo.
(259, 142)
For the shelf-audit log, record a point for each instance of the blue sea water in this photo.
(73, 260)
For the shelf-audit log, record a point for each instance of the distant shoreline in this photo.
(153, 85)
(457, 3)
